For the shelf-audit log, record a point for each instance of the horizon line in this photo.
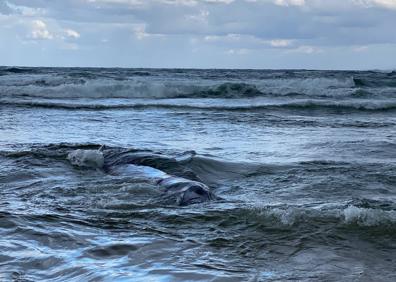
(194, 68)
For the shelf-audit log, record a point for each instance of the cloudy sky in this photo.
(315, 34)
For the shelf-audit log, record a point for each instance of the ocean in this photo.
(302, 165)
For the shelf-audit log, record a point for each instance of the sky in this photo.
(264, 34)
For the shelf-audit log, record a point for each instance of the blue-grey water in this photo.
(303, 164)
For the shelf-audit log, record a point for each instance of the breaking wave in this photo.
(71, 86)
(342, 216)
(383, 82)
(369, 216)
(211, 104)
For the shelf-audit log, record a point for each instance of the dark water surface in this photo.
(303, 163)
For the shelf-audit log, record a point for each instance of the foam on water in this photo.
(369, 217)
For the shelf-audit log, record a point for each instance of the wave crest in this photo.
(143, 86)
(210, 104)
(369, 216)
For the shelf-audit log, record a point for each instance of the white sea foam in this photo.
(99, 88)
(368, 216)
(284, 216)
(308, 86)
(352, 215)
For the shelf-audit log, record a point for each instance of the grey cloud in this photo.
(4, 8)
(180, 27)
(334, 23)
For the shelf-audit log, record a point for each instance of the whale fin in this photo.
(186, 157)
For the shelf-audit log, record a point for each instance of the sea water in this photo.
(303, 164)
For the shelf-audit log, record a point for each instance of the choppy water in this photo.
(303, 164)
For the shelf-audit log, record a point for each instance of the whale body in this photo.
(167, 172)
